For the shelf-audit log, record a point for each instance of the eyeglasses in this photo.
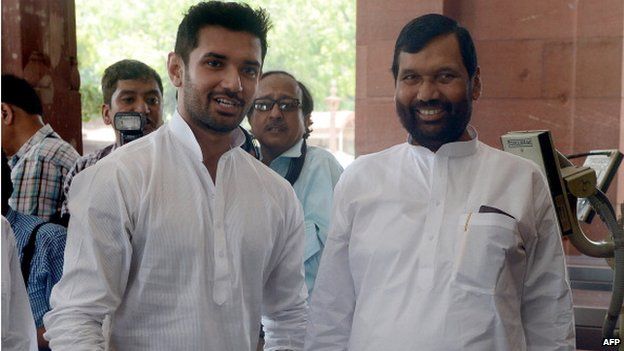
(285, 105)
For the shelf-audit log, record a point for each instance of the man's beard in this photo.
(199, 111)
(449, 129)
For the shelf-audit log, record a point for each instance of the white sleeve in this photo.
(18, 326)
(285, 293)
(333, 300)
(547, 311)
(97, 261)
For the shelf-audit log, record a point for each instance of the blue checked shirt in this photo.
(46, 266)
(38, 171)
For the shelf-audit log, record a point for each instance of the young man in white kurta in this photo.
(187, 264)
(183, 238)
(441, 243)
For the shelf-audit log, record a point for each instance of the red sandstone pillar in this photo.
(39, 44)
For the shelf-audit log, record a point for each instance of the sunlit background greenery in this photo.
(313, 39)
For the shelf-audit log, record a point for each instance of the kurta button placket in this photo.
(221, 269)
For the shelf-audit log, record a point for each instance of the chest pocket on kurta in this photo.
(485, 240)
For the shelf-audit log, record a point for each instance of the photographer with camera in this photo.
(132, 93)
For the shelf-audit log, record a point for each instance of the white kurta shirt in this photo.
(179, 262)
(18, 325)
(411, 263)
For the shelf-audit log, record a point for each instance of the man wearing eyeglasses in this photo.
(280, 119)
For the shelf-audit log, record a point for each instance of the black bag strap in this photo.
(296, 165)
(29, 252)
(250, 144)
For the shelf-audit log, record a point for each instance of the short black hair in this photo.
(421, 30)
(238, 17)
(126, 69)
(7, 184)
(307, 102)
(307, 106)
(18, 92)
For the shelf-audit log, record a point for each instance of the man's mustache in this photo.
(275, 124)
(229, 94)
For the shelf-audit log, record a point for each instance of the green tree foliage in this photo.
(313, 39)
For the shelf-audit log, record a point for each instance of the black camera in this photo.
(130, 125)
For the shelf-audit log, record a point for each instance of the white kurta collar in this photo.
(180, 128)
(453, 149)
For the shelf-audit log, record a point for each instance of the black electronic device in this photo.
(129, 125)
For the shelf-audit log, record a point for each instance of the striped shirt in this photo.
(81, 164)
(38, 171)
(46, 266)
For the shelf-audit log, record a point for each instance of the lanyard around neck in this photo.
(296, 165)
